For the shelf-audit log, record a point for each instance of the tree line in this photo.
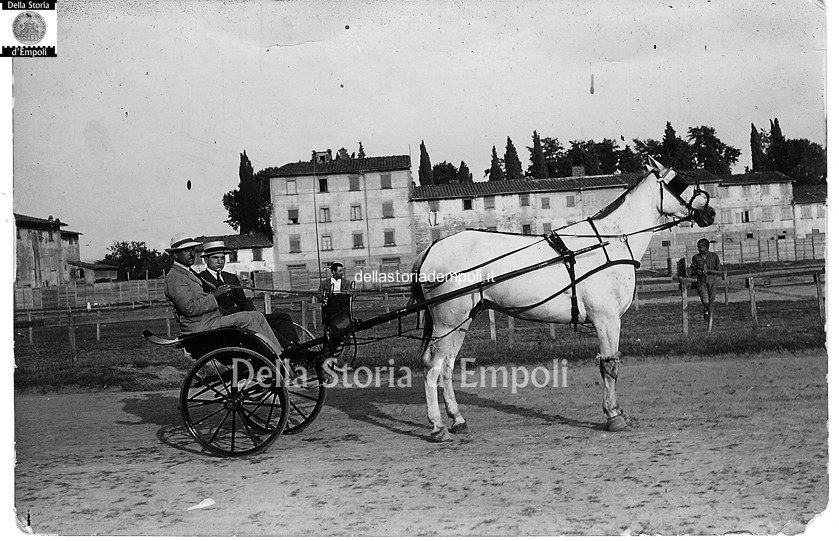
(802, 160)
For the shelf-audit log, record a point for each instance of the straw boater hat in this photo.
(215, 247)
(180, 241)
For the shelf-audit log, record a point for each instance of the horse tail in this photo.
(418, 296)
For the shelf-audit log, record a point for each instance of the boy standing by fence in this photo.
(705, 267)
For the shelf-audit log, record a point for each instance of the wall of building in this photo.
(39, 258)
(507, 213)
(370, 223)
(810, 218)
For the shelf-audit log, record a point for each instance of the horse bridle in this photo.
(676, 186)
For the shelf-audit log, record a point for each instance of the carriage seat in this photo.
(199, 344)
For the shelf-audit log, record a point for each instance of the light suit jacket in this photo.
(196, 310)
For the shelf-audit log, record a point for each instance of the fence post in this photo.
(725, 286)
(98, 317)
(552, 327)
(71, 330)
(168, 328)
(492, 335)
(818, 279)
(635, 299)
(752, 302)
(314, 316)
(684, 290)
(29, 317)
(266, 297)
(510, 331)
(303, 315)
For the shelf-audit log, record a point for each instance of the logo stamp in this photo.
(29, 28)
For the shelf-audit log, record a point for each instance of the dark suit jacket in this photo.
(196, 310)
(234, 302)
(326, 287)
(699, 267)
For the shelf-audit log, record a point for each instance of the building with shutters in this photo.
(354, 211)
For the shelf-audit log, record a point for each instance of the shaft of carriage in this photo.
(367, 324)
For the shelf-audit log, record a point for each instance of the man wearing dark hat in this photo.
(213, 277)
(197, 310)
(705, 267)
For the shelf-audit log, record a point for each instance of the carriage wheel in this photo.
(234, 402)
(306, 394)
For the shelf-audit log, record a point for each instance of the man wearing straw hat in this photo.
(197, 310)
(214, 254)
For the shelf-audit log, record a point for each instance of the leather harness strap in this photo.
(556, 242)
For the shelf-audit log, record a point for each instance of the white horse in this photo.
(605, 281)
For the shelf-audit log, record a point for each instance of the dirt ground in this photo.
(728, 444)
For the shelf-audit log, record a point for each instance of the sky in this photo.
(145, 96)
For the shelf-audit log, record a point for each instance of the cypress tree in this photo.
(426, 177)
(495, 171)
(538, 165)
(463, 173)
(758, 155)
(512, 164)
(361, 153)
(776, 153)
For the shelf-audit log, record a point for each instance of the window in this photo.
(589, 199)
(525, 228)
(750, 235)
(386, 181)
(326, 243)
(725, 217)
(571, 201)
(524, 199)
(354, 185)
(489, 202)
(546, 202)
(435, 234)
(806, 212)
(390, 237)
(359, 262)
(820, 211)
(358, 239)
(291, 187)
(711, 189)
(782, 236)
(546, 228)
(768, 215)
(324, 216)
(744, 192)
(756, 189)
(233, 257)
(257, 254)
(467, 204)
(745, 217)
(51, 237)
(665, 243)
(293, 216)
(293, 244)
(323, 185)
(765, 189)
(786, 212)
(387, 209)
(355, 212)
(433, 206)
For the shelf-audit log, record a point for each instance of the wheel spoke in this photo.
(219, 426)
(301, 395)
(247, 429)
(204, 401)
(202, 419)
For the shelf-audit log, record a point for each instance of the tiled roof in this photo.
(237, 242)
(502, 187)
(564, 184)
(336, 166)
(99, 265)
(22, 219)
(809, 193)
(762, 177)
(68, 232)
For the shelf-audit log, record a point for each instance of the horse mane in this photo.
(613, 206)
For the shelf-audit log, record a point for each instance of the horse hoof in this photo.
(616, 423)
(440, 435)
(461, 428)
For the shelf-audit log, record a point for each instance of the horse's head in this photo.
(681, 196)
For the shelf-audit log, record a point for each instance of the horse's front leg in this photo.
(432, 361)
(608, 332)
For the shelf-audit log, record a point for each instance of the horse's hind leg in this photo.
(432, 361)
(608, 332)
(452, 410)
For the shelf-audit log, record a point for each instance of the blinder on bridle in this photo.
(678, 186)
